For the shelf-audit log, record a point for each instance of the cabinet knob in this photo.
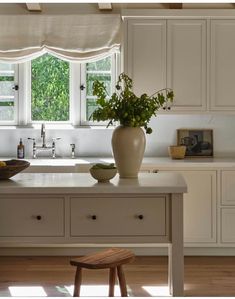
(141, 217)
(38, 217)
(93, 217)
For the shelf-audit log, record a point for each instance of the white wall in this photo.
(97, 142)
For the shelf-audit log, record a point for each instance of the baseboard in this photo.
(151, 251)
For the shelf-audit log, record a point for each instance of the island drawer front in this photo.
(118, 216)
(228, 187)
(31, 216)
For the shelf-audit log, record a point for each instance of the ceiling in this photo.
(76, 8)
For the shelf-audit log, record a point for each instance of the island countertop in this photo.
(71, 183)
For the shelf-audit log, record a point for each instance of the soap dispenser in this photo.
(20, 150)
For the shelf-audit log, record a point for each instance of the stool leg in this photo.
(77, 282)
(122, 281)
(112, 278)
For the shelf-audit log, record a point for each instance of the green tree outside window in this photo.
(49, 89)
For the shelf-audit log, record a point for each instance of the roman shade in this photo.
(78, 38)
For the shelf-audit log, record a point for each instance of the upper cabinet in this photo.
(222, 65)
(145, 55)
(186, 63)
(195, 56)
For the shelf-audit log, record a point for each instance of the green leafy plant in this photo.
(126, 107)
(103, 166)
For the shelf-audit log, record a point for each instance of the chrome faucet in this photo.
(44, 147)
(43, 135)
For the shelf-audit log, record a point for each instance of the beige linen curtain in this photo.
(74, 38)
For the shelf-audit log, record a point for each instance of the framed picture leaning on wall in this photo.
(198, 142)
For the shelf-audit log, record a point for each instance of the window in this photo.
(52, 90)
(50, 99)
(100, 70)
(8, 93)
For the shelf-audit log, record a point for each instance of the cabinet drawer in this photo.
(118, 216)
(228, 225)
(228, 187)
(36, 216)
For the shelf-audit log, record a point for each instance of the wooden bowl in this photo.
(103, 175)
(177, 151)
(12, 168)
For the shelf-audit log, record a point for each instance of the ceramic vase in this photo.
(128, 145)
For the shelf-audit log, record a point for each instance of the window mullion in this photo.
(75, 96)
(16, 95)
(83, 94)
(24, 94)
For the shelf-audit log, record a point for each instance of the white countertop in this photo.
(148, 161)
(61, 183)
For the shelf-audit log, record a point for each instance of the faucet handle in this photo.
(43, 129)
(73, 150)
(31, 138)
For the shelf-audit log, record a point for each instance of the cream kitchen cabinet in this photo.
(186, 63)
(192, 55)
(31, 216)
(228, 187)
(227, 225)
(222, 65)
(145, 53)
(227, 209)
(199, 207)
(129, 216)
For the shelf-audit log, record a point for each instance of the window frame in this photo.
(77, 97)
(84, 121)
(16, 100)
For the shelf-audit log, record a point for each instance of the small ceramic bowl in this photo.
(177, 151)
(103, 175)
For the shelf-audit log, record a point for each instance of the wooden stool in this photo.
(113, 259)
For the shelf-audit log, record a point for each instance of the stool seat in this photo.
(109, 258)
(113, 259)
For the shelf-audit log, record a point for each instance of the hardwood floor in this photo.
(147, 276)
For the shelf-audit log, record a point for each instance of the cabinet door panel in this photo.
(222, 64)
(145, 61)
(186, 63)
(200, 206)
(228, 187)
(31, 217)
(118, 216)
(228, 225)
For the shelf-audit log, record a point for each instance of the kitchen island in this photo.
(58, 209)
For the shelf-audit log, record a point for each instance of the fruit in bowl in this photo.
(3, 164)
(103, 172)
(11, 167)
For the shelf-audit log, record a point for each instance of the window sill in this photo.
(56, 127)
